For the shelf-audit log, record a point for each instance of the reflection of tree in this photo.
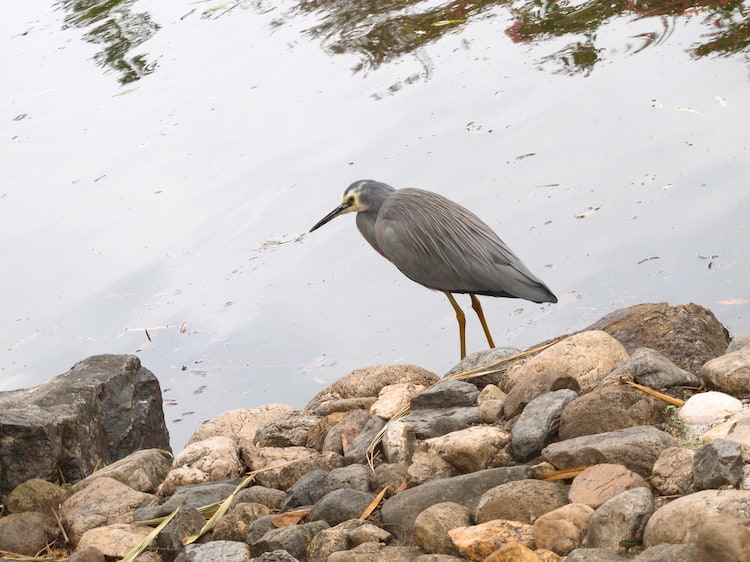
(378, 32)
(112, 24)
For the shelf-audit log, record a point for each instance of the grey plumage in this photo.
(439, 244)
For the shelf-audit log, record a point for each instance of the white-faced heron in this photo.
(441, 245)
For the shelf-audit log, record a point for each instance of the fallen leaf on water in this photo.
(721, 101)
(587, 212)
(668, 186)
(689, 110)
(734, 301)
(644, 260)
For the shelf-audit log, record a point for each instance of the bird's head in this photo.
(362, 195)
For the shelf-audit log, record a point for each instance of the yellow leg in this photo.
(461, 323)
(478, 309)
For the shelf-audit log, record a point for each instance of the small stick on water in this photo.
(266, 244)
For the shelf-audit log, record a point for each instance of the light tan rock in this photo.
(239, 425)
(588, 357)
(114, 540)
(394, 398)
(471, 449)
(210, 460)
(601, 482)
(105, 501)
(729, 373)
(432, 525)
(479, 541)
(563, 529)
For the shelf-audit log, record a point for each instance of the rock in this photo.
(259, 528)
(35, 495)
(226, 551)
(682, 520)
(340, 505)
(513, 552)
(339, 437)
(723, 538)
(729, 373)
(235, 525)
(104, 501)
(620, 518)
(86, 554)
(471, 449)
(342, 537)
(114, 540)
(354, 476)
(446, 394)
(193, 495)
(239, 425)
(536, 384)
(294, 539)
(663, 552)
(434, 422)
(594, 555)
(305, 460)
(188, 521)
(432, 525)
(210, 460)
(484, 359)
(287, 430)
(587, 357)
(308, 489)
(367, 382)
(270, 497)
(609, 408)
(317, 434)
(738, 342)
(650, 368)
(672, 474)
(429, 466)
(686, 334)
(393, 398)
(521, 500)
(376, 552)
(103, 409)
(399, 442)
(356, 452)
(389, 475)
(26, 533)
(538, 423)
(634, 447)
(479, 541)
(737, 430)
(563, 529)
(602, 482)
(709, 407)
(399, 512)
(717, 464)
(490, 402)
(143, 471)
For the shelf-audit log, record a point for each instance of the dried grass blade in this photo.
(140, 547)
(374, 503)
(669, 399)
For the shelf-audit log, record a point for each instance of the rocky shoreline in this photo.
(629, 440)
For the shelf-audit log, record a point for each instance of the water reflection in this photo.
(114, 26)
(379, 32)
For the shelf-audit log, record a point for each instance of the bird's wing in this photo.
(444, 246)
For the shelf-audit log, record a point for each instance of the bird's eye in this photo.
(350, 200)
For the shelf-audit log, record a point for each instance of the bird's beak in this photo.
(343, 208)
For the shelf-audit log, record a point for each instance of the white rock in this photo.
(709, 407)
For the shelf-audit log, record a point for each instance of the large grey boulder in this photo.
(103, 409)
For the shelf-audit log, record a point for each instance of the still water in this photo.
(155, 154)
